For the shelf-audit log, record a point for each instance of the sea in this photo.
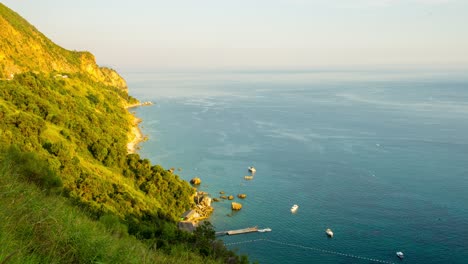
(378, 156)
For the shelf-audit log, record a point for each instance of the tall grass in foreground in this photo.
(36, 227)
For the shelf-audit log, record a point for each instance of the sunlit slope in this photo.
(23, 48)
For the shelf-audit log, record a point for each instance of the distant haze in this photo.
(146, 35)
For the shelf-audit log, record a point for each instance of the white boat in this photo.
(329, 232)
(400, 254)
(264, 230)
(294, 208)
(252, 169)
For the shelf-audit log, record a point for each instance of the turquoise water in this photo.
(380, 158)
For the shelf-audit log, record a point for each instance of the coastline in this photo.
(135, 135)
(138, 104)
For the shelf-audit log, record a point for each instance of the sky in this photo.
(153, 35)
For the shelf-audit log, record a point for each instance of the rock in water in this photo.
(236, 206)
(195, 181)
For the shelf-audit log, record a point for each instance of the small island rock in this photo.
(236, 206)
(195, 181)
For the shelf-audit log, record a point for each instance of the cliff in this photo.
(23, 48)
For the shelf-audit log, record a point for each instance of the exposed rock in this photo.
(206, 201)
(215, 200)
(195, 181)
(236, 206)
(223, 197)
(242, 195)
(231, 197)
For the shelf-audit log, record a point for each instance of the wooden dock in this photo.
(238, 231)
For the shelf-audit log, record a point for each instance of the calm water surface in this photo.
(379, 158)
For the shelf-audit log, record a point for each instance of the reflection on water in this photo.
(379, 158)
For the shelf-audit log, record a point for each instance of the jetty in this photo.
(238, 231)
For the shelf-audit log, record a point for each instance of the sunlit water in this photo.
(381, 159)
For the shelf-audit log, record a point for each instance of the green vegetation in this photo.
(23, 49)
(68, 190)
(37, 227)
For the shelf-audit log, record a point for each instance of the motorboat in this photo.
(329, 232)
(252, 169)
(400, 254)
(264, 230)
(294, 208)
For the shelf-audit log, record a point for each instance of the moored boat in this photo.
(294, 208)
(400, 254)
(329, 232)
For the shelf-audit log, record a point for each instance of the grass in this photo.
(40, 228)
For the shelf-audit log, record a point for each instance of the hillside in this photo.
(23, 48)
(81, 127)
(40, 228)
(64, 129)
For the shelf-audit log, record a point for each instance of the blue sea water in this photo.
(381, 158)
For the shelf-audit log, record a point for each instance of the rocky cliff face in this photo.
(102, 74)
(23, 48)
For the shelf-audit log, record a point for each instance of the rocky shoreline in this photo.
(135, 136)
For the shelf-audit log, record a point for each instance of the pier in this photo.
(238, 231)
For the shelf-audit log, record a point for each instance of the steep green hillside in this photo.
(23, 48)
(40, 228)
(64, 129)
(81, 128)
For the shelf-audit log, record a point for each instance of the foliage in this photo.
(23, 48)
(65, 141)
(40, 228)
(64, 129)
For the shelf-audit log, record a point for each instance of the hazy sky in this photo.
(255, 34)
